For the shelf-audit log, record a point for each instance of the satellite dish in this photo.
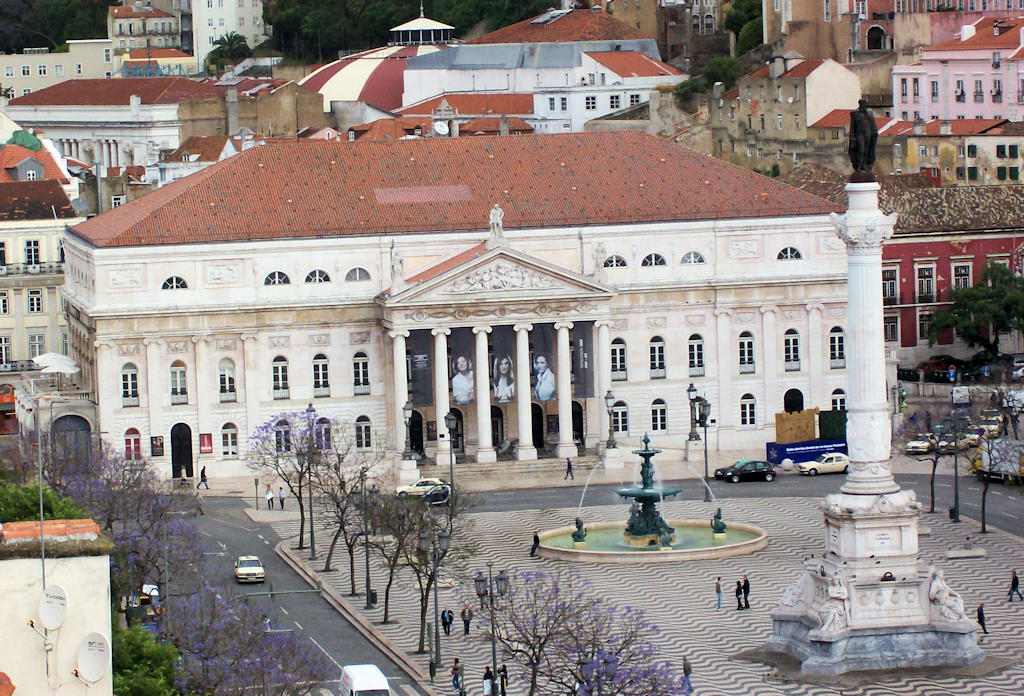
(53, 607)
(79, 205)
(440, 127)
(789, 100)
(93, 658)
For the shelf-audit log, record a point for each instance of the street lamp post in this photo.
(450, 421)
(691, 395)
(310, 454)
(366, 539)
(437, 544)
(609, 404)
(486, 587)
(703, 418)
(407, 416)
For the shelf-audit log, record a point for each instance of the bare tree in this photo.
(923, 445)
(998, 458)
(397, 521)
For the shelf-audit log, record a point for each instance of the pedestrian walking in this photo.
(739, 595)
(981, 617)
(281, 496)
(568, 470)
(269, 496)
(202, 479)
(746, 593)
(718, 592)
(536, 545)
(467, 616)
(1015, 586)
(503, 679)
(456, 672)
(488, 682)
(447, 617)
(462, 680)
(685, 688)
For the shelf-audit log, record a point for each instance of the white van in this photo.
(364, 680)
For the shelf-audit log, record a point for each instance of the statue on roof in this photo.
(497, 221)
(863, 136)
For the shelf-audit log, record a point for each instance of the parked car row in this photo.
(759, 470)
(949, 438)
(982, 366)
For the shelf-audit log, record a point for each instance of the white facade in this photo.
(212, 19)
(36, 68)
(721, 285)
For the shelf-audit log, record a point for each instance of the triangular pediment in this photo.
(498, 276)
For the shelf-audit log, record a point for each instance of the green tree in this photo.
(21, 503)
(50, 23)
(694, 85)
(750, 36)
(981, 313)
(142, 666)
(722, 69)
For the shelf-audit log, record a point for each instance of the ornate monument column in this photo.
(868, 602)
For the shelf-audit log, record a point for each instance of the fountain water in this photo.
(646, 526)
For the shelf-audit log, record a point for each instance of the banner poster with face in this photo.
(462, 367)
(421, 371)
(543, 359)
(581, 338)
(503, 374)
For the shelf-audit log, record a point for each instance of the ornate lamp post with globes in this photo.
(609, 404)
(436, 544)
(486, 587)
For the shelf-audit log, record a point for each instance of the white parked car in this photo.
(991, 422)
(828, 463)
(922, 444)
(420, 488)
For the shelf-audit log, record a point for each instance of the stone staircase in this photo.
(467, 468)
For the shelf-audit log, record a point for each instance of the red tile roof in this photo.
(146, 53)
(448, 264)
(129, 12)
(208, 148)
(840, 118)
(14, 532)
(984, 36)
(391, 128)
(957, 126)
(491, 125)
(475, 104)
(803, 69)
(34, 200)
(152, 90)
(633, 64)
(577, 25)
(13, 155)
(311, 189)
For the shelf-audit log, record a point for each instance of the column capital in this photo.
(481, 329)
(248, 337)
(100, 345)
(603, 323)
(769, 309)
(440, 332)
(563, 325)
(723, 313)
(522, 327)
(400, 333)
(814, 307)
(152, 342)
(201, 339)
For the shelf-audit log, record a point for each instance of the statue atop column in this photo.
(863, 136)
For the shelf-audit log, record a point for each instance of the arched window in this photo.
(693, 257)
(179, 386)
(838, 400)
(279, 377)
(615, 262)
(364, 439)
(361, 374)
(229, 440)
(321, 382)
(695, 354)
(620, 417)
(657, 353)
(129, 385)
(356, 274)
(790, 254)
(748, 415)
(618, 360)
(746, 353)
(282, 437)
(322, 433)
(174, 283)
(132, 444)
(318, 276)
(709, 22)
(836, 348)
(659, 416)
(653, 260)
(791, 350)
(277, 278)
(696, 22)
(226, 380)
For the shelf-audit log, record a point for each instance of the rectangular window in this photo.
(935, 90)
(58, 69)
(659, 418)
(962, 274)
(63, 342)
(9, 71)
(551, 103)
(837, 350)
(106, 55)
(590, 103)
(634, 99)
(361, 375)
(26, 70)
(778, 122)
(1014, 173)
(889, 284)
(1013, 151)
(32, 252)
(696, 357)
(1001, 173)
(891, 329)
(924, 326)
(746, 355)
(903, 88)
(618, 362)
(35, 301)
(564, 104)
(614, 101)
(130, 386)
(5, 349)
(320, 376)
(916, 83)
(972, 173)
(5, 306)
(116, 201)
(657, 354)
(926, 284)
(791, 352)
(229, 443)
(747, 413)
(178, 385)
(36, 345)
(41, 70)
(1001, 151)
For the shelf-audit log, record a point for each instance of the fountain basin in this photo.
(695, 540)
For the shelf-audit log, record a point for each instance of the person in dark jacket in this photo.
(739, 595)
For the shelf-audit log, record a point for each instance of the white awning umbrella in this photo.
(51, 359)
(68, 369)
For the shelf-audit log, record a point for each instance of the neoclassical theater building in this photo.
(516, 282)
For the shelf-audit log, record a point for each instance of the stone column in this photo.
(526, 451)
(816, 351)
(604, 380)
(248, 390)
(155, 390)
(400, 390)
(563, 377)
(724, 413)
(484, 447)
(770, 364)
(204, 394)
(441, 404)
(868, 431)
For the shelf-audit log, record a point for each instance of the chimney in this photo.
(231, 109)
(453, 131)
(776, 66)
(918, 126)
(717, 90)
(135, 101)
(503, 124)
(996, 27)
(966, 32)
(945, 128)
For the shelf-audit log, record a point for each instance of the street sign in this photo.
(952, 373)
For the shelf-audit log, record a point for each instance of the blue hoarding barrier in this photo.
(802, 451)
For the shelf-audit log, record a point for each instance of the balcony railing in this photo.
(618, 375)
(18, 366)
(281, 393)
(997, 97)
(696, 370)
(657, 373)
(321, 391)
(979, 97)
(361, 389)
(925, 297)
(129, 401)
(30, 268)
(837, 363)
(178, 398)
(747, 368)
(228, 397)
(792, 366)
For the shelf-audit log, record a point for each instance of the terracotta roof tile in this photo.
(803, 69)
(984, 36)
(102, 92)
(577, 25)
(130, 12)
(14, 532)
(633, 64)
(13, 155)
(208, 148)
(34, 200)
(840, 118)
(309, 189)
(491, 125)
(475, 104)
(448, 264)
(391, 128)
(147, 53)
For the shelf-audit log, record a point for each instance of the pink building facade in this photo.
(978, 74)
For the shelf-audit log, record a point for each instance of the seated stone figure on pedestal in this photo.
(949, 604)
(717, 525)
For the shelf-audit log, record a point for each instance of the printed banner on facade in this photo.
(581, 338)
(205, 443)
(543, 377)
(461, 369)
(503, 374)
(421, 373)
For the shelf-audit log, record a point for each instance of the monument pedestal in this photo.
(612, 458)
(408, 471)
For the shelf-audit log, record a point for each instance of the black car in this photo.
(746, 470)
